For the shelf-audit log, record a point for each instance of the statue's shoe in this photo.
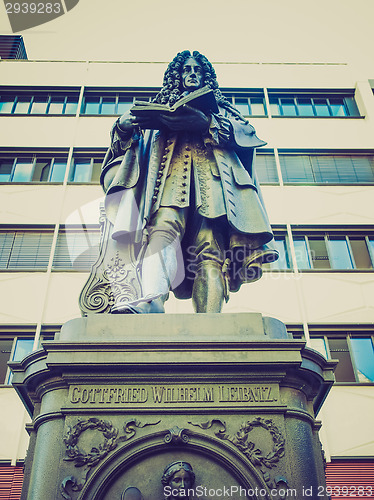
(139, 307)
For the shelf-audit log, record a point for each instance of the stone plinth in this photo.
(116, 398)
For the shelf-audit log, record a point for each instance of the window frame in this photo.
(348, 337)
(233, 94)
(54, 157)
(95, 157)
(16, 94)
(310, 177)
(331, 331)
(328, 235)
(133, 96)
(13, 333)
(276, 95)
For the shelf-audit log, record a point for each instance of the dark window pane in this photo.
(5, 170)
(91, 105)
(302, 254)
(22, 348)
(363, 167)
(41, 171)
(257, 106)
(23, 171)
(39, 105)
(296, 168)
(371, 248)
(96, 170)
(324, 168)
(305, 107)
(274, 106)
(361, 253)
(319, 254)
(340, 257)
(283, 261)
(364, 358)
(124, 105)
(56, 106)
(6, 245)
(6, 104)
(321, 107)
(82, 171)
(76, 250)
(351, 106)
(71, 105)
(58, 171)
(5, 350)
(108, 106)
(339, 350)
(288, 107)
(22, 105)
(266, 168)
(30, 251)
(242, 106)
(337, 107)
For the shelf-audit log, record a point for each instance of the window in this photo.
(266, 169)
(39, 168)
(39, 103)
(335, 169)
(249, 104)
(95, 103)
(76, 249)
(86, 166)
(16, 342)
(280, 244)
(334, 250)
(319, 104)
(25, 250)
(354, 350)
(29, 250)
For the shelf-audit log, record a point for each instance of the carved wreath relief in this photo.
(88, 460)
(242, 441)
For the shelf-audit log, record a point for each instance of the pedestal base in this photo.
(116, 399)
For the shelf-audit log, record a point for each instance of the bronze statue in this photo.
(183, 184)
(177, 479)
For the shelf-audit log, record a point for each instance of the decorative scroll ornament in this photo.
(176, 435)
(242, 441)
(88, 460)
(114, 277)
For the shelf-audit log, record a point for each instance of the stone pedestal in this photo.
(117, 398)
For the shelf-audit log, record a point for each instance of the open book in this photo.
(202, 99)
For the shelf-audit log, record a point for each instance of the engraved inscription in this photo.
(246, 393)
(160, 395)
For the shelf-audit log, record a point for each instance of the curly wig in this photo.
(172, 91)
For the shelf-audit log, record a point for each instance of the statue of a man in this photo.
(187, 186)
(177, 479)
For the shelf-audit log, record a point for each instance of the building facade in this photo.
(317, 176)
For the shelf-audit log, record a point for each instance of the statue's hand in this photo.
(187, 119)
(127, 122)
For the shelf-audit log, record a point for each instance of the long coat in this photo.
(160, 168)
